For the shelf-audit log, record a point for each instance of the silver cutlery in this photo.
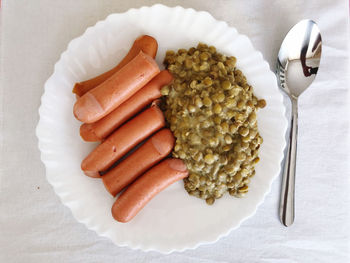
(297, 66)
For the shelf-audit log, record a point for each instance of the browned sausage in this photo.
(122, 141)
(139, 193)
(106, 97)
(101, 129)
(151, 152)
(146, 44)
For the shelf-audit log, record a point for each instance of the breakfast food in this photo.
(151, 152)
(123, 140)
(106, 104)
(211, 110)
(99, 130)
(146, 44)
(139, 193)
(100, 101)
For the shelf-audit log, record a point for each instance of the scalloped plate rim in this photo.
(69, 203)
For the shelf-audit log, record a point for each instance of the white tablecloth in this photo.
(36, 227)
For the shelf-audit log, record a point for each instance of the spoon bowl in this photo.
(299, 57)
(297, 65)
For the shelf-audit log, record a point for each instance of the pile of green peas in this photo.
(211, 109)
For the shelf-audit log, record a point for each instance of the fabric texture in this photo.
(36, 227)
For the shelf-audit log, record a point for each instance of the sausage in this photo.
(123, 140)
(101, 129)
(151, 152)
(139, 193)
(146, 44)
(98, 102)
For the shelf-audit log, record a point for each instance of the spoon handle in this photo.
(286, 210)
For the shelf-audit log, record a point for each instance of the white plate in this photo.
(173, 220)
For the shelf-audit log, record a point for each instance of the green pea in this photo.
(226, 85)
(217, 120)
(230, 102)
(243, 189)
(207, 101)
(202, 46)
(256, 160)
(177, 147)
(207, 81)
(196, 67)
(170, 53)
(252, 118)
(261, 103)
(217, 108)
(209, 158)
(221, 97)
(194, 193)
(195, 140)
(191, 50)
(233, 128)
(208, 112)
(205, 124)
(202, 188)
(237, 178)
(246, 181)
(224, 125)
(240, 104)
(232, 192)
(212, 49)
(182, 154)
(231, 62)
(244, 172)
(246, 139)
(223, 160)
(193, 84)
(243, 131)
(219, 142)
(198, 102)
(226, 148)
(210, 200)
(241, 156)
(221, 65)
(165, 90)
(253, 133)
(244, 145)
(204, 56)
(198, 157)
(191, 108)
(188, 63)
(204, 66)
(213, 142)
(228, 139)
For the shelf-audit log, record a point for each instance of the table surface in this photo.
(36, 227)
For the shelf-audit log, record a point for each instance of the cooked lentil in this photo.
(211, 109)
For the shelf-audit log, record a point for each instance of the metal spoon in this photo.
(297, 64)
